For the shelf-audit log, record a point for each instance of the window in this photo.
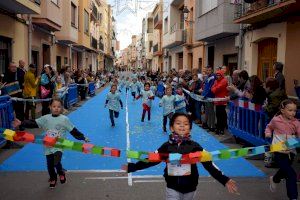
(73, 14)
(58, 63)
(86, 21)
(207, 6)
(55, 2)
(65, 60)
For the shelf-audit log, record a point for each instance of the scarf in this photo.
(178, 139)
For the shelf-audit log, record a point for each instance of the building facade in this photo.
(271, 35)
(215, 27)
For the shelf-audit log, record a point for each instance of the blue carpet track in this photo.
(93, 120)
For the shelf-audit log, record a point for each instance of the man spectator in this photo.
(209, 106)
(278, 67)
(30, 90)
(15, 75)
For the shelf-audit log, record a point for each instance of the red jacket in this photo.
(219, 88)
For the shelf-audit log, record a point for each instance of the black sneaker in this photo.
(142, 120)
(52, 184)
(62, 178)
(113, 125)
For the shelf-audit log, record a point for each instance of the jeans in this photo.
(19, 109)
(210, 114)
(30, 106)
(112, 115)
(198, 105)
(54, 162)
(286, 171)
(45, 108)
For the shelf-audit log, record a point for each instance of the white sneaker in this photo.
(273, 185)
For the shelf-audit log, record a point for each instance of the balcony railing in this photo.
(94, 42)
(155, 48)
(260, 10)
(101, 46)
(176, 26)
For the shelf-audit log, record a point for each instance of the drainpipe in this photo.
(240, 53)
(29, 38)
(70, 55)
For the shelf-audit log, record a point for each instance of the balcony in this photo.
(158, 21)
(175, 38)
(94, 42)
(188, 37)
(94, 12)
(20, 6)
(157, 50)
(262, 10)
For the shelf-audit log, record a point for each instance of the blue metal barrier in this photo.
(72, 94)
(247, 123)
(6, 115)
(92, 89)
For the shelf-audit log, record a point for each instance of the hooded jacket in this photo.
(219, 88)
(183, 184)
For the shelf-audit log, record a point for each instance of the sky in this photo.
(129, 22)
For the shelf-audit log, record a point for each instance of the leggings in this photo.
(54, 162)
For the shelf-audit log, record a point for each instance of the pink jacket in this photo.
(282, 129)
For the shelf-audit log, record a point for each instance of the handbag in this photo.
(44, 92)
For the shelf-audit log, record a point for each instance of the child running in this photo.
(147, 97)
(182, 179)
(134, 88)
(167, 102)
(180, 104)
(55, 125)
(127, 84)
(284, 126)
(113, 103)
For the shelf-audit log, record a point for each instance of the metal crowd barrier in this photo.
(92, 89)
(6, 115)
(72, 96)
(247, 121)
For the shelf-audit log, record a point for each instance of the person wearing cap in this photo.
(30, 90)
(219, 89)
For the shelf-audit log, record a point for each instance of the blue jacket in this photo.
(208, 83)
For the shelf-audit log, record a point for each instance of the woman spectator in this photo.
(257, 94)
(275, 95)
(81, 79)
(219, 89)
(47, 87)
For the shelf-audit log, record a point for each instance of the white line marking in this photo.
(96, 171)
(148, 181)
(128, 140)
(122, 177)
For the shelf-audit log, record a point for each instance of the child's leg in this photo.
(133, 95)
(50, 167)
(111, 116)
(143, 115)
(149, 114)
(287, 172)
(57, 162)
(116, 114)
(165, 123)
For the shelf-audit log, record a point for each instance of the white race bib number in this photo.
(179, 169)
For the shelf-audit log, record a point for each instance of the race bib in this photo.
(179, 169)
(53, 134)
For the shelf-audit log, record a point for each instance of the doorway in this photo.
(180, 60)
(5, 53)
(211, 56)
(46, 54)
(267, 56)
(190, 61)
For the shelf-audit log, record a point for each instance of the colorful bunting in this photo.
(175, 158)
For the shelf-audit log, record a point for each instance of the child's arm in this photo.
(269, 129)
(121, 103)
(215, 172)
(133, 167)
(78, 135)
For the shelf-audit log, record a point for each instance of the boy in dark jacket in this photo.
(182, 179)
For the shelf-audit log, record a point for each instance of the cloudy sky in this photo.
(129, 15)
